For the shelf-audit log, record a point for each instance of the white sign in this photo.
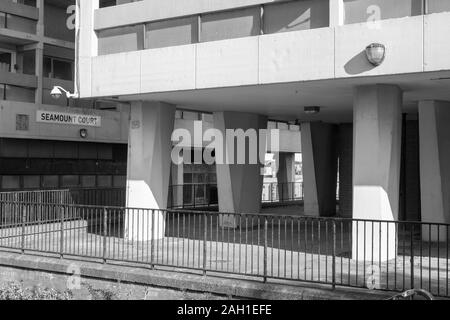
(68, 118)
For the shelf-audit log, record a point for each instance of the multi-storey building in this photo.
(375, 71)
(37, 52)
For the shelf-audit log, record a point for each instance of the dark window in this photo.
(22, 122)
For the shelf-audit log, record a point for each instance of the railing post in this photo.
(152, 241)
(412, 257)
(24, 216)
(205, 239)
(105, 233)
(266, 223)
(334, 256)
(61, 242)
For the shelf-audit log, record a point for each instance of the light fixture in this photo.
(312, 110)
(83, 133)
(376, 53)
(58, 91)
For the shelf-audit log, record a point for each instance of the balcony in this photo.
(18, 21)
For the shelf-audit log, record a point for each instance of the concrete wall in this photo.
(114, 127)
(414, 45)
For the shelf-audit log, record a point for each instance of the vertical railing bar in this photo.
(205, 239)
(438, 259)
(105, 233)
(412, 255)
(61, 248)
(23, 229)
(447, 241)
(429, 256)
(152, 241)
(334, 257)
(265, 248)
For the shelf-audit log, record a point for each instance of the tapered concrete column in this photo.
(149, 162)
(286, 175)
(434, 132)
(239, 171)
(319, 161)
(177, 185)
(376, 170)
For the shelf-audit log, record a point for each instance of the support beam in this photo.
(376, 170)
(434, 133)
(240, 185)
(319, 161)
(286, 176)
(87, 48)
(39, 53)
(149, 162)
(177, 185)
(337, 13)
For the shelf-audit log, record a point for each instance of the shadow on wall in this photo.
(297, 15)
(358, 64)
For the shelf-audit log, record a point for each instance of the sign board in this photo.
(52, 117)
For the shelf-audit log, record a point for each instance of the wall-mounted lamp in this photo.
(58, 91)
(376, 53)
(312, 110)
(83, 133)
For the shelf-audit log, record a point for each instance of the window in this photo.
(31, 182)
(174, 32)
(22, 122)
(231, 24)
(11, 182)
(357, 11)
(57, 68)
(2, 20)
(14, 93)
(7, 60)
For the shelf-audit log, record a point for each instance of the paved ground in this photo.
(297, 250)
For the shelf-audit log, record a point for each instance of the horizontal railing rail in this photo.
(205, 195)
(384, 255)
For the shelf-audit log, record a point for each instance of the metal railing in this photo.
(282, 192)
(89, 197)
(205, 195)
(383, 255)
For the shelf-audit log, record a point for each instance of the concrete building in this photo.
(379, 124)
(37, 52)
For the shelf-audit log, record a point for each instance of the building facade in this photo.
(37, 52)
(380, 124)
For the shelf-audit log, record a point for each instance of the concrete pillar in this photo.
(177, 185)
(345, 154)
(149, 162)
(337, 13)
(39, 53)
(376, 170)
(319, 161)
(286, 176)
(240, 182)
(434, 137)
(87, 45)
